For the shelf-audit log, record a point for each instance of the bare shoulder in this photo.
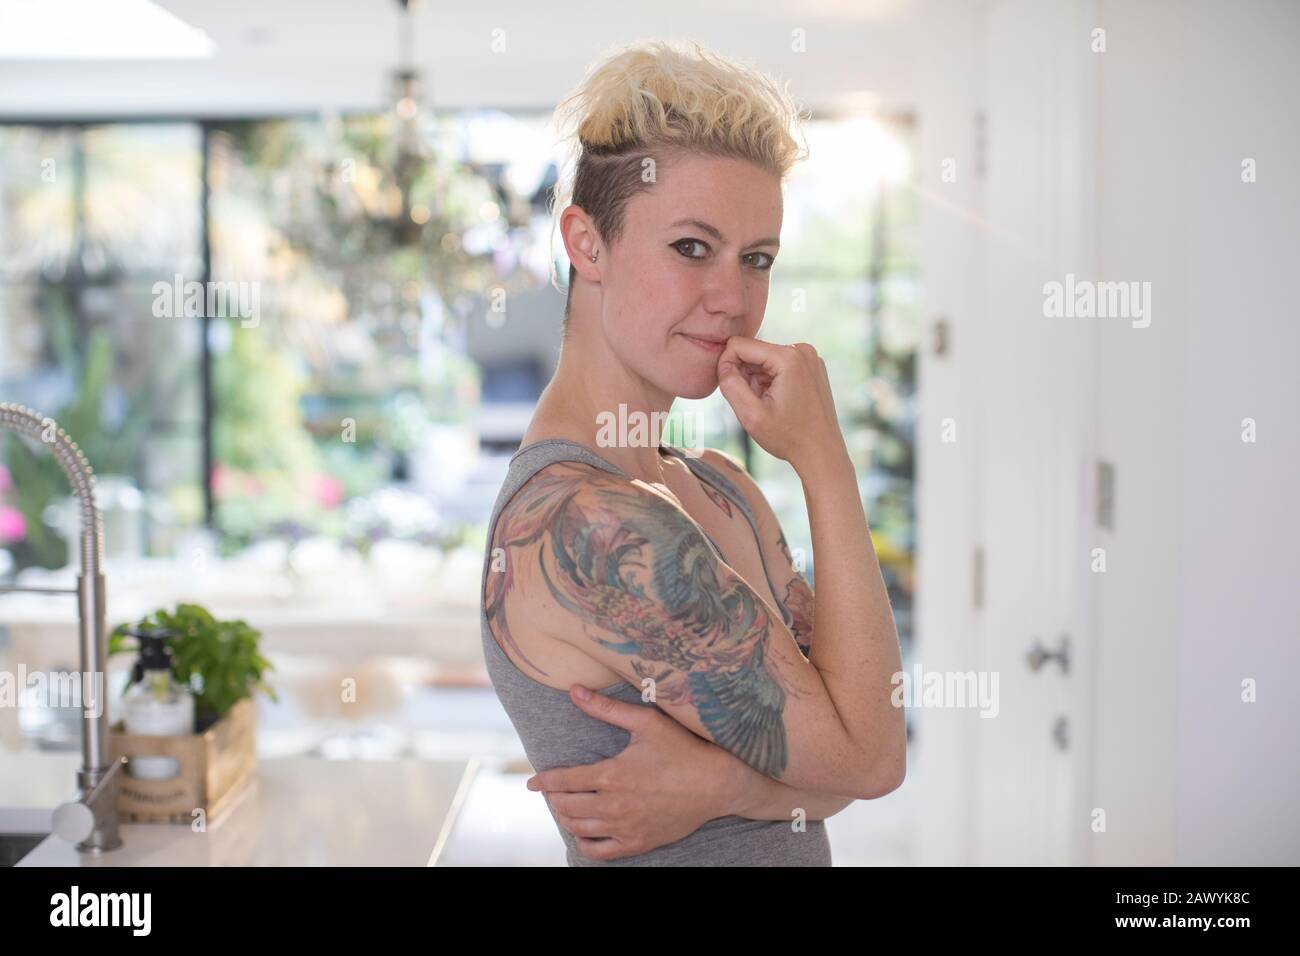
(532, 512)
(573, 508)
(534, 506)
(731, 467)
(534, 498)
(520, 609)
(721, 459)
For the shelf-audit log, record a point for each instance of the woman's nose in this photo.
(726, 293)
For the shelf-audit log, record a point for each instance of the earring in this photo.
(593, 256)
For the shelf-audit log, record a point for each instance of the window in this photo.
(90, 219)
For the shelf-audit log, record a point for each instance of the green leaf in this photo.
(220, 657)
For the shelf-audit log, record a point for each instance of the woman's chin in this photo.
(697, 386)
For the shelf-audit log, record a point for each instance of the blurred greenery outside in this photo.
(362, 321)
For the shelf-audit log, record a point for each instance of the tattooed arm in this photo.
(634, 585)
(796, 598)
(749, 793)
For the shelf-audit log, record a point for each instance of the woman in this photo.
(720, 729)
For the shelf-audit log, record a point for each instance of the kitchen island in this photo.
(298, 811)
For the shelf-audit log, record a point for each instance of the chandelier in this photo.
(409, 219)
(375, 165)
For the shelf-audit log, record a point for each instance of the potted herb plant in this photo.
(218, 660)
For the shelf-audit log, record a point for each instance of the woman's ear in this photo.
(581, 242)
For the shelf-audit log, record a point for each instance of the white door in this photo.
(1035, 433)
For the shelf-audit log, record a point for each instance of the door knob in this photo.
(1039, 655)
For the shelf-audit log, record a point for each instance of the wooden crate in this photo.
(215, 766)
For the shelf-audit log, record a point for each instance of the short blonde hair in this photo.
(655, 99)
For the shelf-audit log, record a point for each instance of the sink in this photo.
(22, 829)
(15, 846)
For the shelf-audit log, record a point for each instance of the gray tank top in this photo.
(555, 733)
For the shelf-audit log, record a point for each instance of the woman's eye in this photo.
(758, 260)
(689, 242)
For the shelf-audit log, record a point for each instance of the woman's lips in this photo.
(713, 348)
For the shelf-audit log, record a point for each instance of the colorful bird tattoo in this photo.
(641, 577)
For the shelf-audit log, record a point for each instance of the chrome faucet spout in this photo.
(94, 831)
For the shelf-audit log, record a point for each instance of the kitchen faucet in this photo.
(91, 819)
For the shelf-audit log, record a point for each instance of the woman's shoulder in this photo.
(720, 459)
(730, 469)
(724, 463)
(566, 474)
(587, 483)
(550, 490)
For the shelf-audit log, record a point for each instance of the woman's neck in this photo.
(595, 400)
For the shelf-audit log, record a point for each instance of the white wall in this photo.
(1239, 764)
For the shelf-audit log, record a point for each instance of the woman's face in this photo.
(690, 269)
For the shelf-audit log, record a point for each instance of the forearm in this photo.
(760, 797)
(737, 789)
(856, 651)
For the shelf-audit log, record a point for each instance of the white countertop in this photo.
(300, 811)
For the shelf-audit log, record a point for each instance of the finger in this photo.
(631, 717)
(592, 806)
(602, 849)
(767, 355)
(574, 779)
(586, 827)
(754, 378)
(739, 391)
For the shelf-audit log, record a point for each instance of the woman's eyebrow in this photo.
(717, 233)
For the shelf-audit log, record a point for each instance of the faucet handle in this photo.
(76, 820)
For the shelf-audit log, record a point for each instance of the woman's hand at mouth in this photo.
(781, 395)
(663, 786)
